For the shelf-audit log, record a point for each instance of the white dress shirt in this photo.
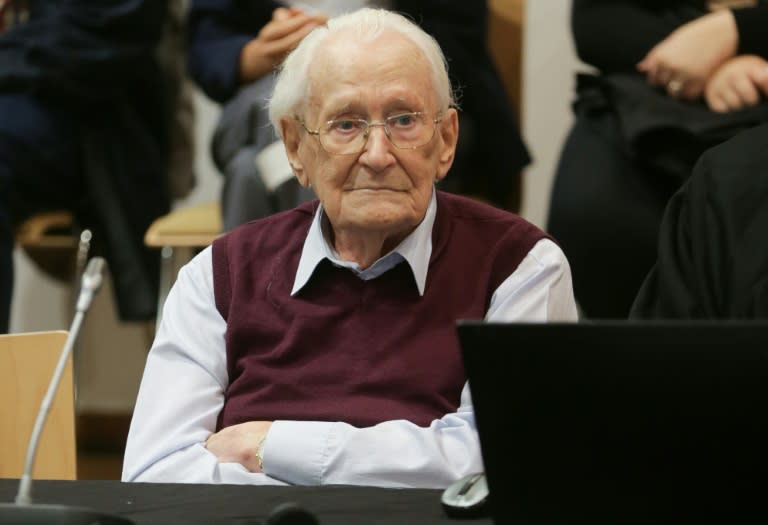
(182, 390)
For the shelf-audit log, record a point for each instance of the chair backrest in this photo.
(27, 362)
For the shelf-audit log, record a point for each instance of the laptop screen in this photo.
(620, 419)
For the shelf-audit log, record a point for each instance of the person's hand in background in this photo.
(685, 60)
(739, 83)
(265, 52)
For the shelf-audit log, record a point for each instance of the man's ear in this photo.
(448, 129)
(290, 130)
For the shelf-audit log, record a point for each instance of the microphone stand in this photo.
(23, 511)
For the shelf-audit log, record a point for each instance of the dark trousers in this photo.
(40, 168)
(605, 211)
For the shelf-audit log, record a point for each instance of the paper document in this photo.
(273, 166)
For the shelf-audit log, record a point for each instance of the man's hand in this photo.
(275, 40)
(685, 60)
(739, 83)
(239, 443)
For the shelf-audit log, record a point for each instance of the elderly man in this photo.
(234, 47)
(317, 346)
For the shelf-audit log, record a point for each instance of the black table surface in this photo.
(170, 503)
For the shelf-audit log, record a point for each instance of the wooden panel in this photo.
(27, 362)
(505, 41)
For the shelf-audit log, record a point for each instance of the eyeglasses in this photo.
(348, 136)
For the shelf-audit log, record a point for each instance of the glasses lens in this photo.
(410, 130)
(343, 136)
(405, 130)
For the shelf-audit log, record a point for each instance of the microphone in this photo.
(23, 511)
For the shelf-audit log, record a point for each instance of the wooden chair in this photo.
(55, 243)
(179, 234)
(47, 229)
(27, 362)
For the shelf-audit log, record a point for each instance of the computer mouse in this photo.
(466, 497)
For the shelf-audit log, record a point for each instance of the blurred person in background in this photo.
(712, 258)
(673, 79)
(85, 112)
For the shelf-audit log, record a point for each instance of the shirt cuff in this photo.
(297, 451)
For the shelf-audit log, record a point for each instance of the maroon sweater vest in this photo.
(349, 350)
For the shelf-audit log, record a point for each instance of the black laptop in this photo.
(619, 421)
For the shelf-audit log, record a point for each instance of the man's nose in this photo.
(378, 147)
(377, 135)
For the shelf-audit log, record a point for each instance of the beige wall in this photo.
(111, 354)
(548, 67)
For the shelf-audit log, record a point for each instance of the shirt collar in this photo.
(416, 249)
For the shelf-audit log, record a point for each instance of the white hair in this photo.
(292, 84)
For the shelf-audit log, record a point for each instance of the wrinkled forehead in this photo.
(347, 59)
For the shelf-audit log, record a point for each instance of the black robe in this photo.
(713, 243)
